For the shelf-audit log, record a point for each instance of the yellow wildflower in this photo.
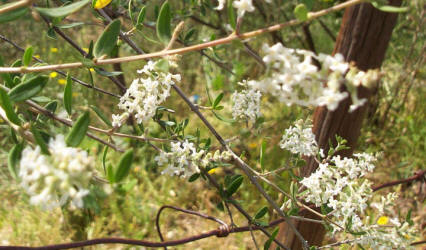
(86, 50)
(53, 74)
(62, 81)
(37, 56)
(252, 145)
(383, 220)
(101, 4)
(53, 50)
(212, 171)
(92, 70)
(75, 94)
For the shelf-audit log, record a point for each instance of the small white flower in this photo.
(246, 104)
(144, 95)
(242, 6)
(53, 180)
(300, 139)
(220, 5)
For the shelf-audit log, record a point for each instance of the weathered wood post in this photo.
(363, 39)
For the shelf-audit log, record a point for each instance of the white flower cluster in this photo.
(246, 104)
(184, 160)
(145, 94)
(337, 184)
(53, 180)
(241, 5)
(293, 78)
(300, 139)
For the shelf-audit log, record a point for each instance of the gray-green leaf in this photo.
(7, 105)
(163, 23)
(62, 11)
(13, 159)
(78, 131)
(68, 95)
(124, 165)
(107, 41)
(28, 88)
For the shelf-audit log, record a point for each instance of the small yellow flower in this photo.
(53, 50)
(86, 50)
(53, 74)
(136, 169)
(62, 81)
(383, 220)
(75, 94)
(92, 70)
(212, 171)
(252, 145)
(37, 56)
(101, 4)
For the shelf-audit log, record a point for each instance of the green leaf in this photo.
(124, 166)
(110, 173)
(51, 106)
(13, 14)
(108, 40)
(261, 213)
(69, 25)
(217, 100)
(13, 159)
(129, 9)
(68, 95)
(163, 23)
(28, 54)
(268, 243)
(28, 88)
(235, 184)
(231, 15)
(101, 115)
(141, 16)
(62, 11)
(301, 12)
(194, 177)
(39, 140)
(78, 131)
(262, 155)
(104, 155)
(108, 74)
(389, 8)
(7, 105)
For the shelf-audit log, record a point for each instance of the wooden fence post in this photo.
(363, 39)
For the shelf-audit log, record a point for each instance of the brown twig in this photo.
(418, 176)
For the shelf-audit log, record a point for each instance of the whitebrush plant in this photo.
(199, 118)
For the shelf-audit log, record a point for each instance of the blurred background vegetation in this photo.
(395, 124)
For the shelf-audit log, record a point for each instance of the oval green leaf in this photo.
(101, 115)
(163, 23)
(301, 12)
(141, 16)
(124, 165)
(68, 95)
(39, 140)
(29, 88)
(78, 131)
(51, 106)
(62, 11)
(13, 159)
(261, 213)
(235, 184)
(28, 54)
(107, 41)
(7, 105)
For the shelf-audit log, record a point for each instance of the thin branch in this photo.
(218, 233)
(196, 47)
(16, 5)
(223, 226)
(58, 71)
(418, 176)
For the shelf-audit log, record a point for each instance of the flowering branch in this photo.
(183, 50)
